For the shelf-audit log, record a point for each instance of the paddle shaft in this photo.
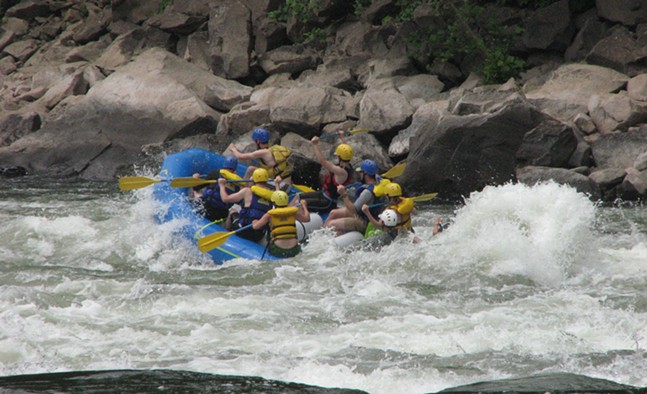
(347, 133)
(421, 198)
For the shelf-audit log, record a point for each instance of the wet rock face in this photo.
(87, 85)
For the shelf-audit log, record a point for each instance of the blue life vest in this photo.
(211, 196)
(256, 209)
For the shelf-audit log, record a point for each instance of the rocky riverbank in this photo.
(98, 89)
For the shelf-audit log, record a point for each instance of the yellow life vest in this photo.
(283, 222)
(404, 208)
(230, 176)
(283, 166)
(262, 192)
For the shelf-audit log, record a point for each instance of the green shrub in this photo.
(164, 4)
(462, 31)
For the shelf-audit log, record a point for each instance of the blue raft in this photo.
(178, 206)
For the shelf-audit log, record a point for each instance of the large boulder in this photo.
(155, 98)
(455, 155)
(230, 37)
(619, 150)
(532, 175)
(566, 91)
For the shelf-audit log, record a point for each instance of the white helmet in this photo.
(389, 217)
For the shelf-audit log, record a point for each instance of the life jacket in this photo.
(375, 211)
(330, 184)
(232, 176)
(260, 204)
(404, 208)
(283, 166)
(283, 223)
(211, 194)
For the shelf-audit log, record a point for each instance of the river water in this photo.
(524, 280)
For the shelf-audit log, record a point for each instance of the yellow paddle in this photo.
(396, 171)
(212, 241)
(348, 133)
(191, 182)
(136, 182)
(424, 197)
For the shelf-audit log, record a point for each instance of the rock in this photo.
(566, 91)
(549, 27)
(619, 150)
(627, 12)
(21, 50)
(289, 59)
(592, 32)
(426, 113)
(634, 185)
(175, 22)
(621, 51)
(585, 124)
(612, 112)
(14, 126)
(143, 101)
(549, 144)
(74, 84)
(194, 48)
(29, 10)
(230, 38)
(131, 44)
(608, 177)
(532, 175)
(12, 172)
(307, 109)
(456, 155)
(384, 108)
(637, 87)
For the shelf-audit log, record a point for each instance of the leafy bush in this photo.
(164, 4)
(300, 9)
(462, 30)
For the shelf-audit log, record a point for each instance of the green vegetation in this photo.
(164, 4)
(303, 10)
(461, 31)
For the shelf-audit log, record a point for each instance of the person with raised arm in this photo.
(274, 159)
(340, 173)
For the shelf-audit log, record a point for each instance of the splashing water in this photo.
(524, 280)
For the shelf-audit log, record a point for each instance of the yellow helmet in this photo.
(393, 190)
(344, 152)
(260, 175)
(280, 198)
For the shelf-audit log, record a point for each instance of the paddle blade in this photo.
(355, 131)
(212, 241)
(191, 182)
(395, 171)
(425, 197)
(136, 182)
(303, 188)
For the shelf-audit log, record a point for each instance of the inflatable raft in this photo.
(193, 225)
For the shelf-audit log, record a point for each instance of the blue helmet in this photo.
(261, 135)
(368, 167)
(230, 162)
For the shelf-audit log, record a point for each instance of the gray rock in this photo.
(230, 37)
(532, 175)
